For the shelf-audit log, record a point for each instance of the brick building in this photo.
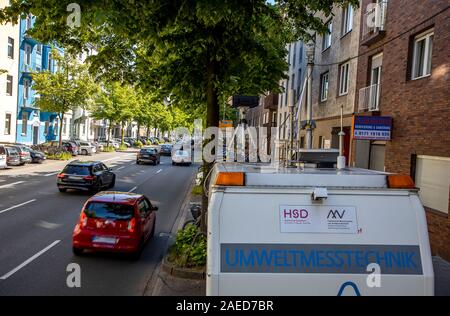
(403, 73)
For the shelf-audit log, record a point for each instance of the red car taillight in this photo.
(83, 220)
(89, 178)
(132, 225)
(61, 176)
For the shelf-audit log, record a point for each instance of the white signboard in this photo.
(318, 219)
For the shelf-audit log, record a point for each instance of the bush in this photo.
(189, 249)
(197, 190)
(123, 147)
(59, 156)
(109, 149)
(138, 144)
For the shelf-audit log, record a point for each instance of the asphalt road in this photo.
(36, 224)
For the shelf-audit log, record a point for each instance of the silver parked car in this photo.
(86, 148)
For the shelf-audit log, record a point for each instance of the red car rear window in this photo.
(109, 211)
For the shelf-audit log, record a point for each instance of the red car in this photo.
(115, 222)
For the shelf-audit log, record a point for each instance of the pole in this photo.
(291, 134)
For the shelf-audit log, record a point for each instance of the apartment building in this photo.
(334, 79)
(293, 87)
(403, 74)
(9, 75)
(33, 125)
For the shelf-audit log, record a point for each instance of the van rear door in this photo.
(278, 241)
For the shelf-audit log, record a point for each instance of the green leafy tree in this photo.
(66, 89)
(118, 104)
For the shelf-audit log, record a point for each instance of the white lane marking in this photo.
(51, 174)
(120, 168)
(159, 171)
(17, 206)
(132, 189)
(47, 225)
(28, 261)
(115, 158)
(5, 186)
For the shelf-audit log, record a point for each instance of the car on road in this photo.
(87, 149)
(24, 153)
(149, 155)
(91, 176)
(181, 157)
(37, 156)
(115, 222)
(13, 157)
(3, 157)
(166, 150)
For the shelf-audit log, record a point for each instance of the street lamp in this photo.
(310, 51)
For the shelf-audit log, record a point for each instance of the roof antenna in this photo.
(341, 163)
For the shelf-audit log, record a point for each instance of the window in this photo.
(286, 92)
(299, 84)
(320, 142)
(295, 54)
(326, 40)
(11, 47)
(422, 52)
(56, 132)
(39, 49)
(26, 89)
(8, 124)
(65, 126)
(324, 84)
(47, 125)
(9, 85)
(24, 123)
(347, 19)
(50, 61)
(343, 78)
(28, 22)
(27, 55)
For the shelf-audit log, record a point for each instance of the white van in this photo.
(3, 163)
(292, 231)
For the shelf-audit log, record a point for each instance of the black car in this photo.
(37, 156)
(148, 155)
(166, 150)
(86, 176)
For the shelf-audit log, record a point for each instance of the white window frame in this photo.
(11, 82)
(11, 44)
(344, 71)
(324, 89)
(28, 52)
(427, 55)
(347, 19)
(8, 123)
(326, 40)
(26, 89)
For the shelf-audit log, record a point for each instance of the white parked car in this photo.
(2, 157)
(181, 157)
(86, 148)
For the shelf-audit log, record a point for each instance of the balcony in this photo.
(374, 23)
(271, 102)
(369, 98)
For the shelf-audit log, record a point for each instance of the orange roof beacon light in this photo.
(231, 179)
(398, 181)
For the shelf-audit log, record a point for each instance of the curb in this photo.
(183, 273)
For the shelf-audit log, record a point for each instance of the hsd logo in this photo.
(295, 214)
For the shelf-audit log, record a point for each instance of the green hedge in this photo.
(189, 249)
(60, 156)
(109, 149)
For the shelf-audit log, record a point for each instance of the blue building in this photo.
(33, 126)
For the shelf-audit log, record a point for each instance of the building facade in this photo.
(334, 79)
(9, 75)
(403, 73)
(33, 126)
(289, 100)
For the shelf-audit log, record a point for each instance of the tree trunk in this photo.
(109, 133)
(212, 120)
(61, 122)
(148, 131)
(122, 139)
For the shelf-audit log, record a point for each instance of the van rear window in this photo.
(109, 211)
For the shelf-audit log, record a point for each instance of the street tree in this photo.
(64, 90)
